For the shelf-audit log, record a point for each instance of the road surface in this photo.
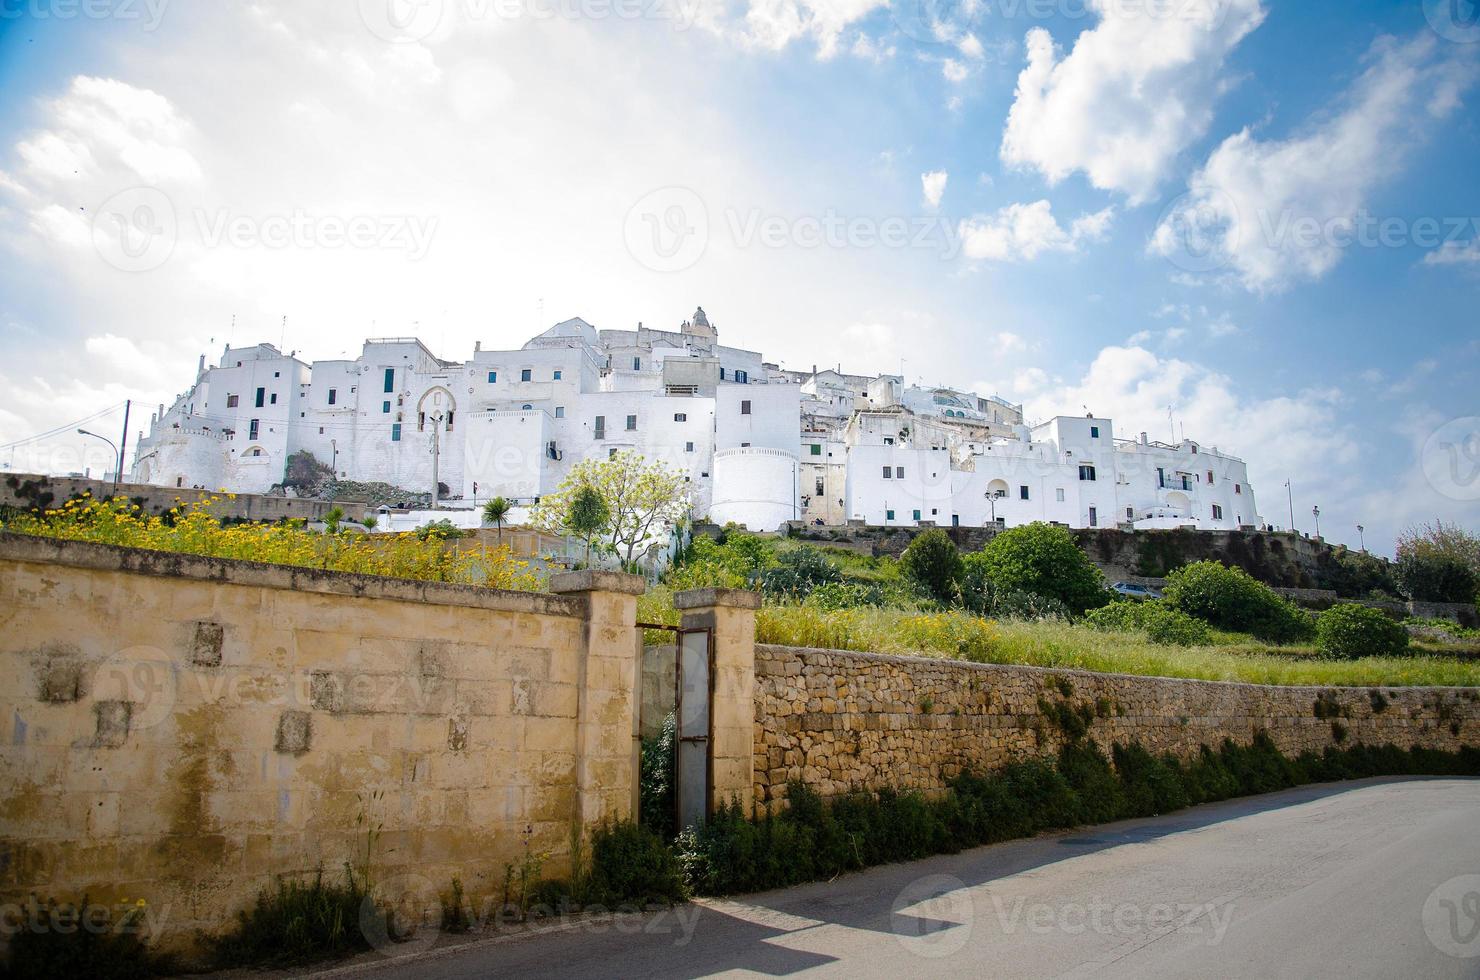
(1363, 879)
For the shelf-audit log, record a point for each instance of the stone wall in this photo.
(184, 729)
(25, 491)
(843, 721)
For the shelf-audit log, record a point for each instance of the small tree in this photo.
(933, 562)
(1040, 559)
(1349, 632)
(332, 517)
(494, 513)
(587, 516)
(640, 495)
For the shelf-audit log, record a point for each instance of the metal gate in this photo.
(693, 696)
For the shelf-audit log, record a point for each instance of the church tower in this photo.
(699, 326)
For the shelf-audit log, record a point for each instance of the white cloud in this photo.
(1133, 93)
(1281, 211)
(773, 24)
(1455, 253)
(1008, 342)
(954, 71)
(871, 49)
(933, 184)
(1024, 231)
(970, 46)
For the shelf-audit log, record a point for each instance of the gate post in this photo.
(606, 696)
(730, 614)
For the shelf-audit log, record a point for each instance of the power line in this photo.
(59, 430)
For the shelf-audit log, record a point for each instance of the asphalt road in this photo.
(1357, 879)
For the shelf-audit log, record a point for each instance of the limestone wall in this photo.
(182, 729)
(846, 721)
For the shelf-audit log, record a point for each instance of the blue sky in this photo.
(511, 167)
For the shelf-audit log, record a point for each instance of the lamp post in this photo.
(1316, 513)
(117, 468)
(1290, 493)
(1362, 538)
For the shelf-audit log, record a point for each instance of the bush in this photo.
(1040, 559)
(1425, 575)
(980, 596)
(630, 863)
(298, 922)
(797, 573)
(1354, 574)
(1349, 632)
(933, 563)
(1230, 599)
(1157, 620)
(655, 779)
(78, 946)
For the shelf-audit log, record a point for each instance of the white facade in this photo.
(758, 445)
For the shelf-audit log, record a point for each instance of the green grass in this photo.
(1231, 657)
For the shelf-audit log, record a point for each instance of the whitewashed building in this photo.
(758, 445)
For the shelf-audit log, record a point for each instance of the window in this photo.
(449, 420)
(1022, 493)
(888, 440)
(611, 453)
(557, 375)
(899, 472)
(1087, 474)
(821, 488)
(1094, 432)
(560, 411)
(277, 374)
(272, 400)
(745, 408)
(390, 379)
(1238, 488)
(321, 430)
(1217, 513)
(1130, 514)
(256, 451)
(888, 515)
(888, 472)
(742, 377)
(917, 515)
(816, 449)
(637, 364)
(688, 447)
(680, 417)
(493, 377)
(526, 408)
(1094, 517)
(745, 445)
(395, 432)
(632, 423)
(252, 428)
(526, 374)
(333, 395)
(722, 374)
(421, 421)
(261, 396)
(385, 408)
(1210, 477)
(600, 426)
(1059, 494)
(233, 400)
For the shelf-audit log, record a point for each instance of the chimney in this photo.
(1144, 439)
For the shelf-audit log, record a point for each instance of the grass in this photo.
(1231, 657)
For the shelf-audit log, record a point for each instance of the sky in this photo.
(1254, 223)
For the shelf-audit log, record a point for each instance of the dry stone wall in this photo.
(842, 721)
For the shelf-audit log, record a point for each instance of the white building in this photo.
(759, 445)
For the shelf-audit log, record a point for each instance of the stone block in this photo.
(112, 727)
(206, 644)
(294, 733)
(61, 682)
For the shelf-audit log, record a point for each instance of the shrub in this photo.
(1043, 560)
(1425, 575)
(1157, 620)
(798, 572)
(1354, 574)
(1230, 599)
(630, 863)
(933, 563)
(1349, 632)
(655, 779)
(80, 946)
(298, 922)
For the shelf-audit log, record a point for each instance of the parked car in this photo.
(1133, 591)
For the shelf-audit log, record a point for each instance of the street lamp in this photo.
(1316, 513)
(1362, 538)
(118, 469)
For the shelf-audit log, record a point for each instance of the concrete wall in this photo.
(182, 729)
(157, 500)
(851, 721)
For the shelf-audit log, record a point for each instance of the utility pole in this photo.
(436, 456)
(1291, 494)
(122, 443)
(1316, 513)
(1362, 538)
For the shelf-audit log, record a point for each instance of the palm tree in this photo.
(494, 513)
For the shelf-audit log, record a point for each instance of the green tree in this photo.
(494, 513)
(1040, 559)
(933, 563)
(587, 516)
(641, 496)
(1438, 562)
(1230, 599)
